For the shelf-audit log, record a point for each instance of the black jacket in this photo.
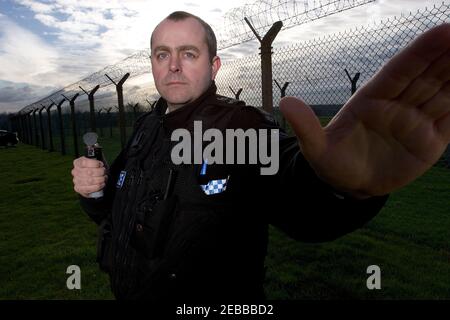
(169, 240)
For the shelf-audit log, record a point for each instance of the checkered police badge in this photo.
(214, 186)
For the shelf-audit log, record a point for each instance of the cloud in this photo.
(45, 19)
(23, 55)
(15, 92)
(36, 6)
(14, 95)
(191, 4)
(80, 23)
(245, 49)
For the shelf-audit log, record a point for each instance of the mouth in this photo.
(175, 83)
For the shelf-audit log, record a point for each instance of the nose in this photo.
(175, 63)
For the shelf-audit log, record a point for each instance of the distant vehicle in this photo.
(8, 139)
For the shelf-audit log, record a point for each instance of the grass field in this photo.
(43, 231)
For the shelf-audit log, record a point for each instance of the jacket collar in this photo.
(180, 117)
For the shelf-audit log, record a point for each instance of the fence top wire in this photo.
(264, 13)
(139, 63)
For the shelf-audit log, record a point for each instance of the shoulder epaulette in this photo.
(229, 101)
(141, 118)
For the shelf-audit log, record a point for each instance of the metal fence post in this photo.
(27, 131)
(266, 62)
(353, 80)
(282, 94)
(91, 106)
(20, 120)
(30, 127)
(36, 132)
(74, 123)
(50, 135)
(236, 94)
(152, 104)
(119, 90)
(42, 127)
(61, 125)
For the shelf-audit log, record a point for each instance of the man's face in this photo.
(181, 66)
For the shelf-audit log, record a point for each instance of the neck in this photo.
(173, 107)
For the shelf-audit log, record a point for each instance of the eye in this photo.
(162, 55)
(189, 55)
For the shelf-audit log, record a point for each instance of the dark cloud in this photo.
(242, 50)
(12, 92)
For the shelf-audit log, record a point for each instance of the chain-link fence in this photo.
(316, 69)
(324, 72)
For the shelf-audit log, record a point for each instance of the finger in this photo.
(409, 63)
(93, 172)
(443, 127)
(84, 162)
(86, 190)
(78, 162)
(88, 172)
(89, 181)
(427, 84)
(438, 105)
(306, 126)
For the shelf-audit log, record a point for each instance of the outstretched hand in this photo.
(392, 130)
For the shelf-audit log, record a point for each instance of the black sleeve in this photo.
(310, 210)
(296, 201)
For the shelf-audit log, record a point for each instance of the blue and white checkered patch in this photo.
(215, 186)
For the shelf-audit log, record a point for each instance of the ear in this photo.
(215, 66)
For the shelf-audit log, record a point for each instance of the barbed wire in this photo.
(233, 31)
(264, 13)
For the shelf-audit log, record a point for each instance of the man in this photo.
(166, 237)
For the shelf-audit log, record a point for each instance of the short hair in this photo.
(210, 37)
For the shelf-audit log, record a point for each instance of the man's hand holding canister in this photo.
(89, 176)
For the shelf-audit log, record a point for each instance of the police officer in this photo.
(165, 234)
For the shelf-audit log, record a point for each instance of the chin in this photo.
(177, 99)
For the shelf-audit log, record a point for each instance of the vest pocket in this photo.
(156, 227)
(104, 246)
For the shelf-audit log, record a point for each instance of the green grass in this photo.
(43, 231)
(408, 240)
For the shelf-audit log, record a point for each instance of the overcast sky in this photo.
(48, 44)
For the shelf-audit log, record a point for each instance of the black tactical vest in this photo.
(170, 239)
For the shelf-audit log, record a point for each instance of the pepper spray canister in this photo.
(93, 151)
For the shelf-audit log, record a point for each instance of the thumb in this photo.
(306, 126)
